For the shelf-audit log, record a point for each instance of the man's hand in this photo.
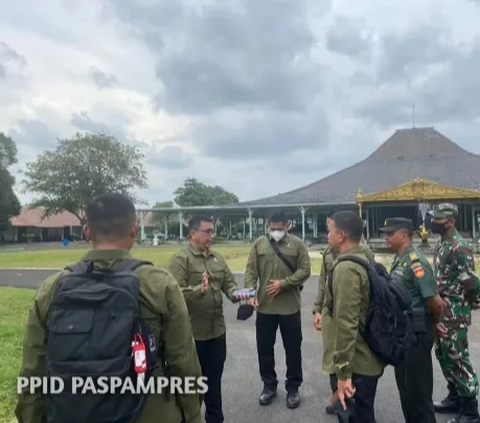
(204, 286)
(442, 330)
(273, 287)
(345, 390)
(317, 321)
(253, 302)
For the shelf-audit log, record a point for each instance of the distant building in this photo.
(412, 170)
(30, 226)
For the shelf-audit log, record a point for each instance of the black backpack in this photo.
(388, 328)
(92, 321)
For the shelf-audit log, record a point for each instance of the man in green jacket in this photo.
(328, 260)
(112, 228)
(278, 304)
(353, 366)
(204, 275)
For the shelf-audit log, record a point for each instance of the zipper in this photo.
(213, 296)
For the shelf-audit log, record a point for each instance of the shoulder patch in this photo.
(413, 257)
(418, 270)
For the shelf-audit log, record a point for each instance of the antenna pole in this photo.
(413, 115)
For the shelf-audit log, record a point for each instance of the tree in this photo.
(195, 193)
(9, 203)
(82, 167)
(158, 217)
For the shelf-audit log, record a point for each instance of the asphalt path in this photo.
(241, 382)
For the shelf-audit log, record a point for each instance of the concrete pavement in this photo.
(241, 383)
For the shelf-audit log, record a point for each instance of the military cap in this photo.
(444, 210)
(393, 224)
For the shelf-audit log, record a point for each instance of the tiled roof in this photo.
(407, 154)
(33, 218)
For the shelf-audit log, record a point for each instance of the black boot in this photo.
(267, 396)
(468, 412)
(329, 409)
(451, 403)
(293, 398)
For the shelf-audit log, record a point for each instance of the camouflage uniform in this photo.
(459, 287)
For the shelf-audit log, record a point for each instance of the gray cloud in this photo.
(103, 80)
(228, 54)
(171, 157)
(407, 55)
(350, 38)
(10, 61)
(33, 134)
(84, 122)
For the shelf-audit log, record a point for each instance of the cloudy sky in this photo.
(259, 96)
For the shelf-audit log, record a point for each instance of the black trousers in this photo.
(366, 390)
(415, 380)
(291, 332)
(212, 355)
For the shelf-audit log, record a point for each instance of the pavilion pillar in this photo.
(367, 212)
(315, 225)
(166, 220)
(230, 228)
(250, 219)
(474, 223)
(142, 226)
(180, 219)
(303, 210)
(244, 228)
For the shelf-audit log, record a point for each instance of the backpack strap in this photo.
(355, 259)
(80, 267)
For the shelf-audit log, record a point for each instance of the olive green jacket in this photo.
(327, 264)
(161, 306)
(206, 310)
(263, 265)
(344, 349)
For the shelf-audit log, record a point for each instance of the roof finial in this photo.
(413, 115)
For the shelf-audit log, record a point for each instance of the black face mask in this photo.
(437, 228)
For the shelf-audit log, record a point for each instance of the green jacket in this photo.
(263, 265)
(414, 271)
(206, 310)
(327, 263)
(344, 349)
(161, 305)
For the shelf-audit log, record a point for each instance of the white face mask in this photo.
(277, 235)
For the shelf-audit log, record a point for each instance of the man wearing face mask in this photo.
(280, 263)
(411, 268)
(459, 287)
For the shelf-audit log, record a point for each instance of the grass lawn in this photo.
(14, 306)
(236, 256)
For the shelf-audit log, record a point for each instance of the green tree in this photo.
(80, 168)
(9, 203)
(157, 219)
(195, 193)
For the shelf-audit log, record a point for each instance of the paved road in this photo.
(241, 383)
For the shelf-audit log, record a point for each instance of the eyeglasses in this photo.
(205, 231)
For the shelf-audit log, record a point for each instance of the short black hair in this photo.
(408, 232)
(110, 216)
(196, 221)
(349, 222)
(277, 216)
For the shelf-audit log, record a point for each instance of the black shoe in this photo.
(468, 412)
(329, 409)
(451, 403)
(267, 396)
(293, 398)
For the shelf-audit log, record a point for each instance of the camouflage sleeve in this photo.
(31, 406)
(178, 269)
(251, 269)
(467, 273)
(322, 280)
(304, 269)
